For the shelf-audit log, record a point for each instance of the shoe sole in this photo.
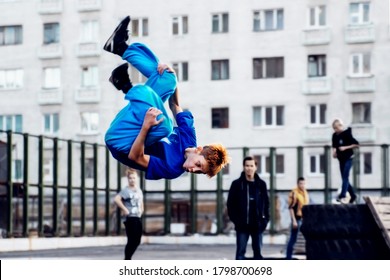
(109, 45)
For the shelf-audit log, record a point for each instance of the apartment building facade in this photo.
(255, 74)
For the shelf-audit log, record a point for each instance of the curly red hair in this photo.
(216, 157)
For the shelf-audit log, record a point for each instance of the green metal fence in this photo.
(60, 187)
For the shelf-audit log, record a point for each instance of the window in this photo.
(317, 114)
(317, 164)
(268, 116)
(51, 77)
(264, 164)
(317, 16)
(51, 33)
(11, 122)
(360, 64)
(272, 67)
(89, 76)
(11, 35)
(220, 69)
(89, 31)
(317, 66)
(220, 117)
(220, 23)
(11, 79)
(181, 69)
(361, 113)
(139, 27)
(89, 122)
(179, 25)
(366, 163)
(266, 20)
(51, 123)
(359, 13)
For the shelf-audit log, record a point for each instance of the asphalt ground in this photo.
(148, 252)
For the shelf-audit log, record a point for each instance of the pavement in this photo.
(151, 248)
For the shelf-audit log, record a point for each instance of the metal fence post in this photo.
(300, 172)
(356, 170)
(107, 195)
(272, 187)
(82, 189)
(9, 185)
(193, 199)
(95, 189)
(69, 202)
(40, 185)
(327, 177)
(220, 204)
(55, 186)
(25, 185)
(167, 207)
(118, 189)
(385, 170)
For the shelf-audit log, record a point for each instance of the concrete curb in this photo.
(35, 243)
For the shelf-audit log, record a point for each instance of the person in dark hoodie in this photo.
(248, 209)
(343, 144)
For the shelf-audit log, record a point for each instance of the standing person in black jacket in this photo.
(343, 144)
(248, 209)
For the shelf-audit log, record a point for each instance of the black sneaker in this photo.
(117, 42)
(120, 78)
(353, 199)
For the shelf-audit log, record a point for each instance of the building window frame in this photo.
(361, 113)
(268, 116)
(220, 23)
(51, 78)
(268, 67)
(51, 33)
(11, 35)
(51, 123)
(220, 117)
(359, 13)
(89, 31)
(179, 25)
(11, 79)
(11, 122)
(140, 27)
(220, 69)
(317, 114)
(268, 20)
(89, 76)
(360, 64)
(316, 16)
(317, 164)
(316, 66)
(181, 70)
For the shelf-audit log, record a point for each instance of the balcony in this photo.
(89, 5)
(364, 133)
(50, 96)
(317, 134)
(87, 95)
(355, 34)
(360, 84)
(88, 49)
(50, 6)
(50, 51)
(318, 85)
(320, 36)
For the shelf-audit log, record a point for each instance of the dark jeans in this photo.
(133, 227)
(242, 240)
(293, 239)
(345, 167)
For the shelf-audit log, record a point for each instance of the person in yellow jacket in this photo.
(297, 198)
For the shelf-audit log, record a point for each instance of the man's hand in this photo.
(151, 118)
(162, 66)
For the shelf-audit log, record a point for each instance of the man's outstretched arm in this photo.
(137, 151)
(174, 103)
